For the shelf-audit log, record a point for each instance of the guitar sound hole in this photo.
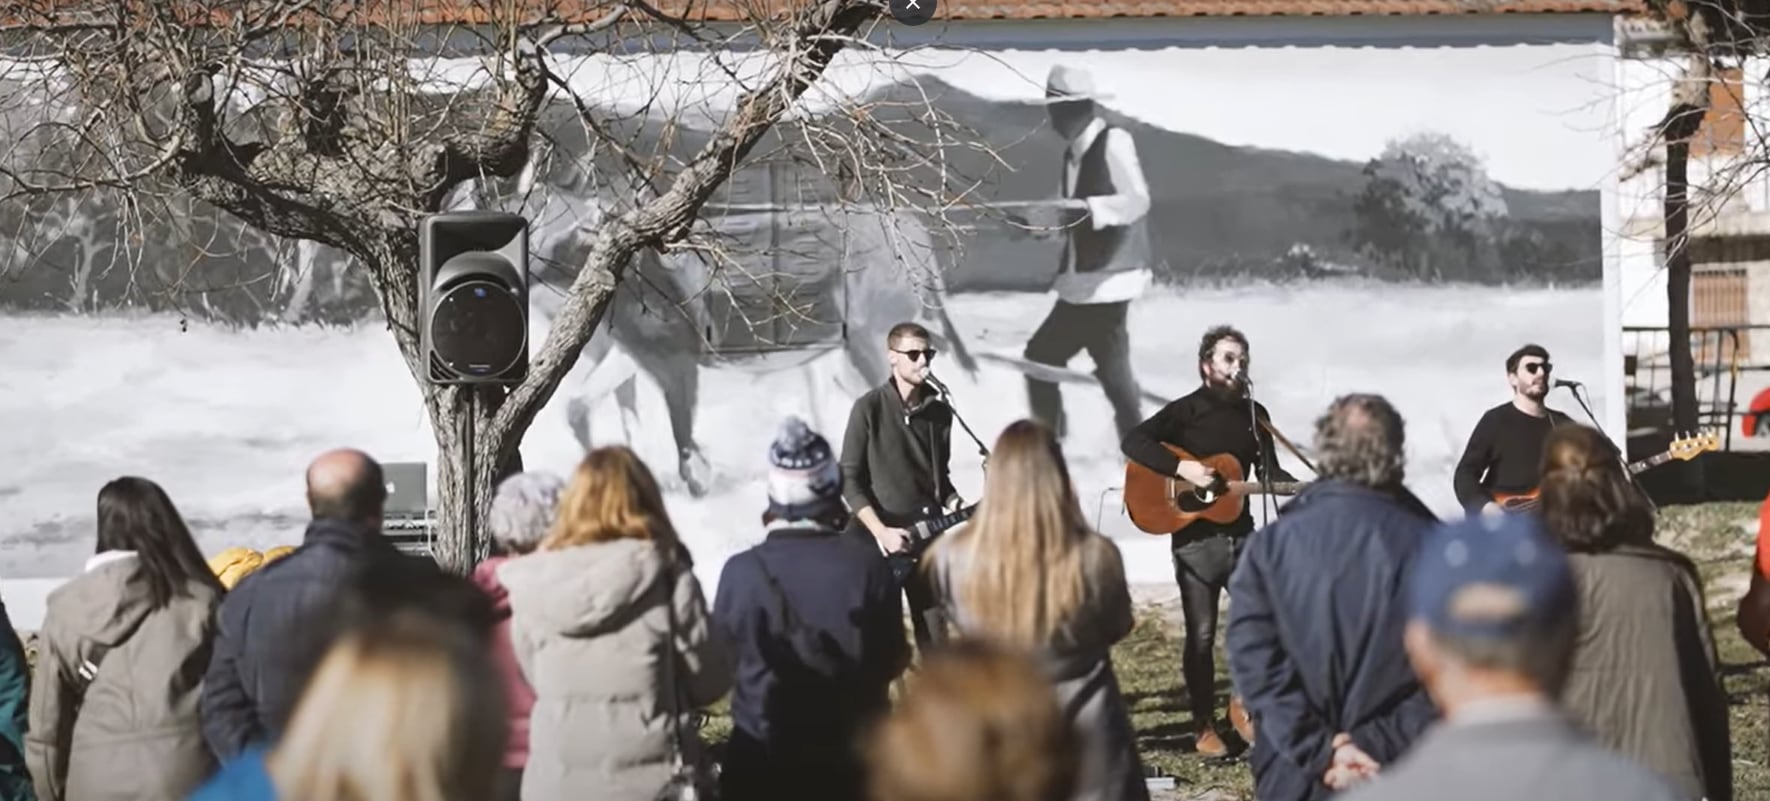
(1195, 500)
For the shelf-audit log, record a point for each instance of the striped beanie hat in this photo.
(803, 480)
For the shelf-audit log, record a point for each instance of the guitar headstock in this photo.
(1691, 446)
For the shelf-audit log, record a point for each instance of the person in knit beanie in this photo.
(817, 621)
(804, 481)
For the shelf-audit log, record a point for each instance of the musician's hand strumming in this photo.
(893, 540)
(1196, 474)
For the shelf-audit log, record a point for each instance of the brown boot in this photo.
(1238, 717)
(1209, 744)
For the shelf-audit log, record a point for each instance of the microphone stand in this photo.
(1268, 504)
(947, 395)
(1622, 456)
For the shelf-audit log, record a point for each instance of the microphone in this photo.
(935, 382)
(1563, 382)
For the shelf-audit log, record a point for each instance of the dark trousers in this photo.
(927, 618)
(1202, 566)
(509, 784)
(1098, 328)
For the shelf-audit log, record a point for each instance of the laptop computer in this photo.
(408, 490)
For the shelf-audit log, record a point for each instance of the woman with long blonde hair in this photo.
(1028, 572)
(611, 631)
(407, 707)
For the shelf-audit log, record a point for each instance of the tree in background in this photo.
(338, 124)
(1429, 209)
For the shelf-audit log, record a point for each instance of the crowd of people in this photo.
(1378, 652)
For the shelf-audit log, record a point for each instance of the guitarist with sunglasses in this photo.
(1505, 451)
(894, 464)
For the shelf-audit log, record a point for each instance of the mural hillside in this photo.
(1422, 210)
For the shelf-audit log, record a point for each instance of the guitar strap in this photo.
(1282, 440)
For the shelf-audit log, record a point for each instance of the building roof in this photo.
(1101, 9)
(473, 11)
(476, 12)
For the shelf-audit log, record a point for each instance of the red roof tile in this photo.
(470, 12)
(1097, 9)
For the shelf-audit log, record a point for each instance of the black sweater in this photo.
(1206, 423)
(1504, 454)
(894, 458)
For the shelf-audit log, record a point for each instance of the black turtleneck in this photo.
(1206, 422)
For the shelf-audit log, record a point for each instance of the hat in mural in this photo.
(1066, 83)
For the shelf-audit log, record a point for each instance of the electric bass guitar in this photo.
(1682, 449)
(922, 535)
(1163, 504)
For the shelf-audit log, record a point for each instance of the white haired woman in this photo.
(522, 511)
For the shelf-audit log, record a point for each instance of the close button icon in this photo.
(913, 12)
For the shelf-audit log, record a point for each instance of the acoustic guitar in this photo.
(1682, 449)
(1161, 504)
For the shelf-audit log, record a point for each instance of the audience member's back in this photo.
(404, 706)
(1493, 616)
(268, 638)
(817, 622)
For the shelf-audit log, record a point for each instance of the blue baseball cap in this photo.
(1491, 577)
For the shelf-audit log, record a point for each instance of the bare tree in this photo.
(325, 122)
(1706, 39)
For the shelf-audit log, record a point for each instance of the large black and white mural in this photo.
(1376, 219)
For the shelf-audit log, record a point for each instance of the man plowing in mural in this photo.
(1105, 263)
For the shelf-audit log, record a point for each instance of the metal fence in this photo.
(1722, 354)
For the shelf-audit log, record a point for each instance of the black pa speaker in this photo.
(473, 297)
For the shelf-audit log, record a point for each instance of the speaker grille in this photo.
(477, 329)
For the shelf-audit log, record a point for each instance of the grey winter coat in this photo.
(135, 732)
(1079, 661)
(591, 630)
(1645, 679)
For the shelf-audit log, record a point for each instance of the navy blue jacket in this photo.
(815, 659)
(15, 695)
(271, 633)
(1317, 610)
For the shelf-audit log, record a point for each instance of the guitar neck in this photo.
(1635, 468)
(939, 524)
(1263, 488)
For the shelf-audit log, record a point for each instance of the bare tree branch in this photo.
(668, 217)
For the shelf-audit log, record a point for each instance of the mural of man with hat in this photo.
(1102, 210)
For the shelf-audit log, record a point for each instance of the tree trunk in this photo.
(472, 457)
(1677, 214)
(1683, 121)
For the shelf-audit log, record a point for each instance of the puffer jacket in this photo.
(517, 692)
(591, 627)
(135, 732)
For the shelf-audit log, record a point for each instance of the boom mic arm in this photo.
(982, 450)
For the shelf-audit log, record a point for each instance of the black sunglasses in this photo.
(1539, 367)
(918, 355)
